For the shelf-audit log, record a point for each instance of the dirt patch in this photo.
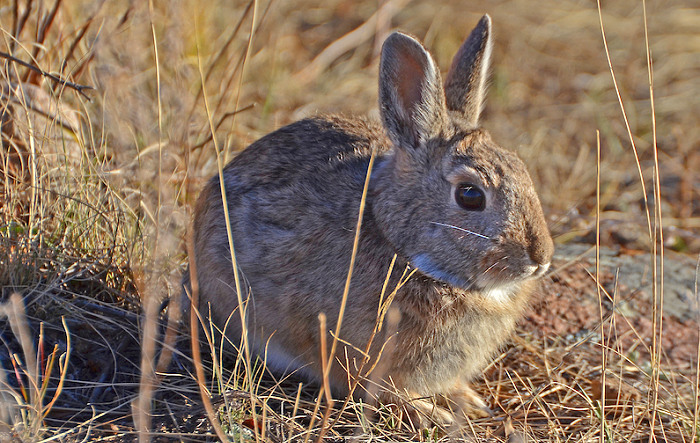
(570, 308)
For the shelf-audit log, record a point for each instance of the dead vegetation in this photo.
(97, 186)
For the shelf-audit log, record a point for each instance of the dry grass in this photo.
(97, 194)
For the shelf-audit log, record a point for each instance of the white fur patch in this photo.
(501, 294)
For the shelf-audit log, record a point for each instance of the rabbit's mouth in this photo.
(499, 281)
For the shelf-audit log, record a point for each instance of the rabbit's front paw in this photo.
(426, 412)
(418, 412)
(446, 410)
(464, 401)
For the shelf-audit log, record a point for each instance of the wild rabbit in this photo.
(444, 201)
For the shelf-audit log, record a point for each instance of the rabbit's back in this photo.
(293, 198)
(305, 153)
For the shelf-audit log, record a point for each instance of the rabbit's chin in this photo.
(427, 266)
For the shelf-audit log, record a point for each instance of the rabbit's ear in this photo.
(411, 98)
(466, 81)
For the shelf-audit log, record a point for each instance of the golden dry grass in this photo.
(97, 193)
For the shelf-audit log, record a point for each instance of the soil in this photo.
(569, 306)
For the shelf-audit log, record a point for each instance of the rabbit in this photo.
(455, 212)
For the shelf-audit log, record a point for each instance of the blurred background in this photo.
(551, 90)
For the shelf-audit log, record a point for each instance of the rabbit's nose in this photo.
(541, 249)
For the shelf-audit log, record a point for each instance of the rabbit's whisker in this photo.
(492, 266)
(462, 229)
(488, 281)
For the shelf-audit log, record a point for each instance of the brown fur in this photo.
(293, 198)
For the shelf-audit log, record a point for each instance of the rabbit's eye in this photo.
(470, 197)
